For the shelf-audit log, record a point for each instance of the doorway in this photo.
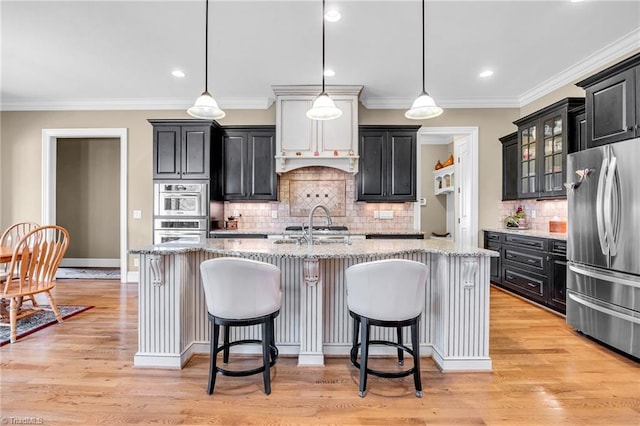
(462, 220)
(49, 171)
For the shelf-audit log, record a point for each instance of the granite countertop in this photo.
(357, 248)
(530, 233)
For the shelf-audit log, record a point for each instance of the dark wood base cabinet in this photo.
(532, 267)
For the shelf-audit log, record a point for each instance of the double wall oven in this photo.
(181, 211)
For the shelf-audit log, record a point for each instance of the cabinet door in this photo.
(495, 273)
(401, 166)
(233, 173)
(195, 152)
(166, 152)
(611, 109)
(580, 132)
(527, 166)
(510, 169)
(297, 132)
(552, 154)
(332, 134)
(557, 283)
(373, 160)
(261, 166)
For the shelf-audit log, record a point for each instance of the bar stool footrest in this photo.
(241, 373)
(378, 373)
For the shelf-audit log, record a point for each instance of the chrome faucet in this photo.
(308, 235)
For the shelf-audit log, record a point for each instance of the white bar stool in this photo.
(386, 293)
(239, 293)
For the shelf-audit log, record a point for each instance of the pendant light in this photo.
(424, 106)
(323, 107)
(205, 106)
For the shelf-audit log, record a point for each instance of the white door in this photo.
(465, 200)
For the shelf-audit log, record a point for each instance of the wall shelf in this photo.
(444, 180)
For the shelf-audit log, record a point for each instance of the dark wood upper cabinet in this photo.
(387, 168)
(246, 165)
(544, 139)
(509, 166)
(182, 148)
(613, 103)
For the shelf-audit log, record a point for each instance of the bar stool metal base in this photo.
(269, 349)
(362, 325)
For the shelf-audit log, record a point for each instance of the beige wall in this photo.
(88, 196)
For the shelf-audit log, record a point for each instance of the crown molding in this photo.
(126, 104)
(605, 56)
(405, 103)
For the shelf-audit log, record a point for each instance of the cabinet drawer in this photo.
(493, 236)
(528, 242)
(558, 247)
(532, 260)
(528, 284)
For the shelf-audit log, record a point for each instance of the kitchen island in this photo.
(314, 321)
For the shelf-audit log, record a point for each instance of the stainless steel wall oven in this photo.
(181, 199)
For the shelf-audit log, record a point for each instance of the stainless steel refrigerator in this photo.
(603, 244)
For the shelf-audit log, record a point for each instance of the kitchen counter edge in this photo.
(358, 248)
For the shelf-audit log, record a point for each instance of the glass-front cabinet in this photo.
(544, 139)
(528, 147)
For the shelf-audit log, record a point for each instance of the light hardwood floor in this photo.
(80, 372)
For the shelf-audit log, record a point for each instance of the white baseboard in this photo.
(85, 262)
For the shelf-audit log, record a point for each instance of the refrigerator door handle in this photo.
(605, 277)
(600, 206)
(608, 206)
(602, 309)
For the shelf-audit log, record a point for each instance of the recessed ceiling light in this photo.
(329, 73)
(177, 73)
(332, 15)
(576, 1)
(486, 73)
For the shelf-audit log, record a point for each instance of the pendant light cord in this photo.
(423, 47)
(206, 48)
(323, 7)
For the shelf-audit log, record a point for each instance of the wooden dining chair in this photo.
(32, 270)
(14, 233)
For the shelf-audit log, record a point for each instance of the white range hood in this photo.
(302, 142)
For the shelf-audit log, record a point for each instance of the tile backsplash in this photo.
(293, 204)
(545, 211)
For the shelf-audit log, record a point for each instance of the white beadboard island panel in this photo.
(314, 321)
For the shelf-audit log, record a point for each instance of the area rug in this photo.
(88, 273)
(39, 320)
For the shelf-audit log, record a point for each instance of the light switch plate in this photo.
(137, 214)
(274, 214)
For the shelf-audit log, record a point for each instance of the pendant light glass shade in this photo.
(323, 108)
(205, 106)
(423, 107)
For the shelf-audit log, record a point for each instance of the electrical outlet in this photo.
(376, 215)
(533, 214)
(236, 213)
(386, 214)
(274, 214)
(136, 262)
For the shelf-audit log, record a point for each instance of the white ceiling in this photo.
(119, 54)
